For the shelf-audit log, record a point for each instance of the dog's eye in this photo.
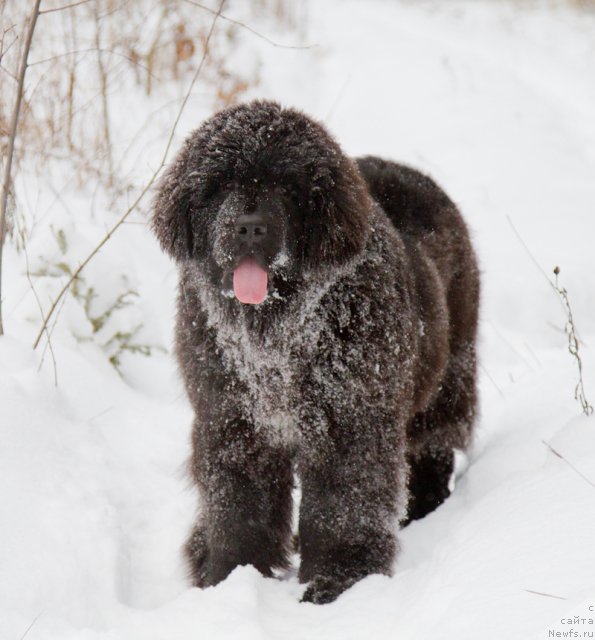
(242, 230)
(259, 231)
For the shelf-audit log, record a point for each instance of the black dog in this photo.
(326, 327)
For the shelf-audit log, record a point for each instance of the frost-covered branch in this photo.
(14, 121)
(143, 192)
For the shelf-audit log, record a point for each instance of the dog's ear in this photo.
(179, 207)
(339, 210)
(171, 220)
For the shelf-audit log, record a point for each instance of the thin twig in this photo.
(146, 188)
(546, 595)
(509, 344)
(559, 455)
(66, 6)
(53, 326)
(248, 28)
(530, 350)
(8, 73)
(4, 51)
(14, 121)
(339, 96)
(489, 377)
(529, 253)
(30, 626)
(40, 307)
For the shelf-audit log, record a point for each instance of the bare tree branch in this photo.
(14, 121)
(144, 191)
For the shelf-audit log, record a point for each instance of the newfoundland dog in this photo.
(326, 330)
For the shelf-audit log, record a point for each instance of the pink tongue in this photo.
(250, 282)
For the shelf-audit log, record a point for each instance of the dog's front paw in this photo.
(197, 555)
(325, 589)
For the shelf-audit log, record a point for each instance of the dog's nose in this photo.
(251, 228)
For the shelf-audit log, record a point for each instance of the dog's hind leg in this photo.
(434, 434)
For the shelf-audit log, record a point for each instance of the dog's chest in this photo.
(271, 372)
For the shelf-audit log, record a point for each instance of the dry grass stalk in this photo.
(573, 344)
(569, 328)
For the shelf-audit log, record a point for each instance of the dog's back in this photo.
(431, 226)
(413, 201)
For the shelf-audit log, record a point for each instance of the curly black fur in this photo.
(358, 370)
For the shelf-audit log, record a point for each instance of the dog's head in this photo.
(259, 196)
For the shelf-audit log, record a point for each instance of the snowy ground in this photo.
(496, 103)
